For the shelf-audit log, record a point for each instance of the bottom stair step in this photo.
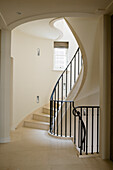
(36, 124)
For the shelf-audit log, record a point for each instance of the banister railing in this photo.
(61, 115)
(74, 74)
(86, 129)
(62, 88)
(83, 124)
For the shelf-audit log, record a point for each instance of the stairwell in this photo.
(62, 119)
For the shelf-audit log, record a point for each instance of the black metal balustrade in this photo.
(83, 124)
(59, 115)
(86, 127)
(62, 88)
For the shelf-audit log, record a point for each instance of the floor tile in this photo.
(32, 149)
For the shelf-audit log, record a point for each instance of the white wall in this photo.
(67, 36)
(88, 32)
(33, 75)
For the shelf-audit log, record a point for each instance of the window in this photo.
(60, 55)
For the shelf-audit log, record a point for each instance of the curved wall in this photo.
(32, 75)
(88, 32)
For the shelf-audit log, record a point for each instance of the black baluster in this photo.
(92, 129)
(97, 130)
(58, 90)
(74, 129)
(62, 87)
(70, 119)
(86, 131)
(66, 82)
(65, 119)
(57, 115)
(84, 134)
(51, 115)
(58, 95)
(61, 117)
(54, 115)
(81, 132)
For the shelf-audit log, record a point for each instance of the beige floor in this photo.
(35, 150)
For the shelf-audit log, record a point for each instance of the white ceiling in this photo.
(40, 28)
(38, 9)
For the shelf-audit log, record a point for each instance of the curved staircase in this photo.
(66, 120)
(61, 104)
(62, 118)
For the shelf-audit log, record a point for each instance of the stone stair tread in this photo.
(36, 122)
(46, 107)
(42, 114)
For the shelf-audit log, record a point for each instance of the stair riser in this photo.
(41, 118)
(36, 126)
(46, 111)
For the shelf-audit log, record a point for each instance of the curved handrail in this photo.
(91, 130)
(59, 105)
(51, 98)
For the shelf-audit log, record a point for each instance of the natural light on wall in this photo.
(60, 55)
(60, 58)
(64, 47)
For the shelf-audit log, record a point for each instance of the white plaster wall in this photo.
(88, 32)
(67, 36)
(33, 75)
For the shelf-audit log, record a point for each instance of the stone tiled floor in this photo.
(35, 150)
